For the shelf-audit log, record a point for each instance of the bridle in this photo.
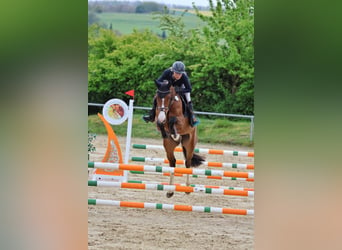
(162, 94)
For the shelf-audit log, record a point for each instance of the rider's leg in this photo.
(151, 116)
(194, 120)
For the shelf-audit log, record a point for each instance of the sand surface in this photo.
(112, 227)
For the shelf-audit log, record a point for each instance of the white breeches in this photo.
(187, 95)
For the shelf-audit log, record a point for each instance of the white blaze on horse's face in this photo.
(162, 115)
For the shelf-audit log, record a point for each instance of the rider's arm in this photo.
(186, 84)
(165, 76)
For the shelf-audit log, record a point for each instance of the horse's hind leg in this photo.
(169, 146)
(169, 194)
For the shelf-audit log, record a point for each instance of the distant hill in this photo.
(125, 23)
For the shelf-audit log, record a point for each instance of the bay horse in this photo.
(175, 128)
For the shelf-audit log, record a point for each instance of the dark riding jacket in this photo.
(182, 85)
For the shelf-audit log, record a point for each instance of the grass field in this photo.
(216, 131)
(125, 23)
(192, 12)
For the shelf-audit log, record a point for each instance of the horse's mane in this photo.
(173, 91)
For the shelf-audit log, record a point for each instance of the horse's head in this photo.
(170, 112)
(163, 88)
(163, 99)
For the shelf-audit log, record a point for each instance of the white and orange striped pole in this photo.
(150, 168)
(162, 206)
(176, 188)
(199, 150)
(206, 163)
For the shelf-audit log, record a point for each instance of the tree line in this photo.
(129, 7)
(219, 59)
(124, 7)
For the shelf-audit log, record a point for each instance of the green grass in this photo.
(125, 23)
(216, 131)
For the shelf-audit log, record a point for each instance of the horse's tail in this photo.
(196, 160)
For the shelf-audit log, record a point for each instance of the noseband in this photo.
(162, 94)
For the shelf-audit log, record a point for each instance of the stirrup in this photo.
(196, 122)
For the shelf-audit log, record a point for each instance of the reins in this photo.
(162, 96)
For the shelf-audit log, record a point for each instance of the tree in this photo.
(148, 7)
(219, 59)
(169, 22)
(228, 61)
(120, 63)
(163, 34)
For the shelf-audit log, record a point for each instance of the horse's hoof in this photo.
(169, 194)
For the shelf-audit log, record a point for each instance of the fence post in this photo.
(252, 128)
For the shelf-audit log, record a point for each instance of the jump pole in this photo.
(206, 163)
(176, 188)
(129, 130)
(199, 150)
(197, 176)
(128, 135)
(175, 207)
(150, 168)
(192, 185)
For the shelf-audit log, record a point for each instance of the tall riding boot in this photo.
(193, 119)
(151, 116)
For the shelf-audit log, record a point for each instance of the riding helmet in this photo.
(178, 67)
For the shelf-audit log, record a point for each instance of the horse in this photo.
(175, 128)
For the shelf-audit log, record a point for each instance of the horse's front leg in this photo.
(169, 146)
(162, 129)
(173, 131)
(172, 164)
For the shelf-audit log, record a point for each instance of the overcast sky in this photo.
(178, 2)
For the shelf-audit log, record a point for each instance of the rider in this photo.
(180, 80)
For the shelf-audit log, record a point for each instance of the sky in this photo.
(177, 2)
